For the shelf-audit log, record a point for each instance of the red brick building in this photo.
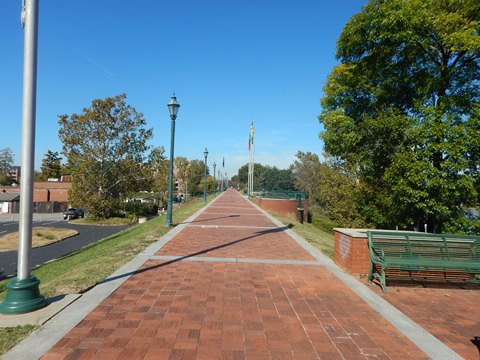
(48, 196)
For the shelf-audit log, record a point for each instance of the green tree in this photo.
(267, 178)
(6, 164)
(402, 109)
(306, 170)
(181, 167)
(105, 147)
(51, 166)
(332, 188)
(157, 172)
(195, 175)
(210, 185)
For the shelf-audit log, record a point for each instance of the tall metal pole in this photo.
(173, 107)
(205, 178)
(220, 180)
(220, 177)
(23, 292)
(170, 173)
(28, 138)
(214, 180)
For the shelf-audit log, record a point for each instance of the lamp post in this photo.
(221, 181)
(173, 109)
(205, 153)
(214, 180)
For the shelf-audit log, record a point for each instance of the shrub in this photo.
(140, 209)
(322, 222)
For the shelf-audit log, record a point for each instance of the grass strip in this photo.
(9, 337)
(318, 238)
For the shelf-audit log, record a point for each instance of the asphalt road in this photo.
(87, 234)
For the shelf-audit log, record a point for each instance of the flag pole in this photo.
(23, 294)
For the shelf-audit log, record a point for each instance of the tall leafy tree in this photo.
(181, 172)
(157, 172)
(195, 175)
(105, 147)
(306, 170)
(331, 186)
(402, 109)
(51, 166)
(6, 164)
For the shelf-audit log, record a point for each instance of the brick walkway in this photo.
(450, 313)
(233, 285)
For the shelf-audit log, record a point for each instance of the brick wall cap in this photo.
(362, 233)
(356, 233)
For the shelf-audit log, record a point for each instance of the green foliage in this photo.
(267, 178)
(194, 176)
(6, 164)
(306, 170)
(321, 221)
(332, 187)
(51, 166)
(11, 336)
(156, 172)
(181, 172)
(140, 209)
(402, 109)
(105, 147)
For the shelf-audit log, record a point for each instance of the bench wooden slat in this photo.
(421, 252)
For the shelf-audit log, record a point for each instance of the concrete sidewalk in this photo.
(231, 282)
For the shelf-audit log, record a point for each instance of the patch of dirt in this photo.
(41, 236)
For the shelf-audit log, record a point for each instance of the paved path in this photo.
(231, 283)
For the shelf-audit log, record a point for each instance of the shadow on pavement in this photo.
(257, 234)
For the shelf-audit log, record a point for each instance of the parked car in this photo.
(73, 213)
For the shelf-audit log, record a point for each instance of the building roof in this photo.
(9, 197)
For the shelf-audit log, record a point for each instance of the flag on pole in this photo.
(250, 137)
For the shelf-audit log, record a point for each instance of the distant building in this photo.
(15, 173)
(48, 197)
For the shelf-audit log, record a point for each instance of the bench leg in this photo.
(383, 283)
(370, 272)
(374, 274)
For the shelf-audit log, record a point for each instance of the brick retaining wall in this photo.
(351, 250)
(282, 206)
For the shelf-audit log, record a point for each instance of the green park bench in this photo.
(397, 254)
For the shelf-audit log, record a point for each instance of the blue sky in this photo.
(229, 62)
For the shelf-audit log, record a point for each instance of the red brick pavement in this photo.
(232, 310)
(449, 312)
(235, 243)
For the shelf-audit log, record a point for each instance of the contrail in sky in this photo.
(101, 67)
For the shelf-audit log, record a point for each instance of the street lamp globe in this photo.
(173, 106)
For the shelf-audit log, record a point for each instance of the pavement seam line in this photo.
(234, 226)
(238, 260)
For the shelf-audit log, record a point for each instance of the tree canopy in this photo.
(51, 166)
(402, 109)
(6, 164)
(105, 148)
(195, 173)
(267, 177)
